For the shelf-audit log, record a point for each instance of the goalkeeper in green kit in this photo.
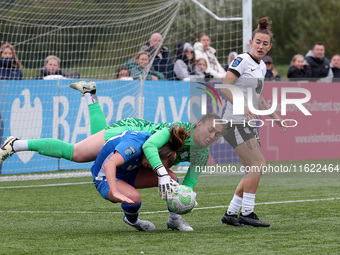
(196, 148)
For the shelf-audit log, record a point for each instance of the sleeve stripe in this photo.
(234, 72)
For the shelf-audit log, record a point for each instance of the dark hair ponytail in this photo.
(264, 28)
(167, 153)
(178, 135)
(264, 23)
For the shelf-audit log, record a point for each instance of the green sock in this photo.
(52, 147)
(97, 118)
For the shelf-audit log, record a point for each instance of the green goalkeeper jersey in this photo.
(197, 155)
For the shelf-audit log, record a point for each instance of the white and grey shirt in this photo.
(251, 75)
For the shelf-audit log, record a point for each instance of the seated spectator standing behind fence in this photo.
(299, 69)
(231, 56)
(162, 61)
(335, 65)
(52, 70)
(318, 63)
(185, 64)
(271, 73)
(10, 67)
(202, 65)
(123, 74)
(138, 67)
(203, 50)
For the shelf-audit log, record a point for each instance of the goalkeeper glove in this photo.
(166, 185)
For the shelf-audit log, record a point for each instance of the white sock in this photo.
(173, 216)
(235, 205)
(248, 203)
(91, 98)
(20, 145)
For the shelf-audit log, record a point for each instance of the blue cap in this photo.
(268, 59)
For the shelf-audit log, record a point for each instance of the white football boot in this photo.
(179, 224)
(6, 149)
(84, 86)
(142, 225)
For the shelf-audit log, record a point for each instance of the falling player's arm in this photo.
(151, 146)
(198, 159)
(150, 149)
(110, 168)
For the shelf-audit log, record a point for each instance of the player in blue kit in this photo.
(117, 171)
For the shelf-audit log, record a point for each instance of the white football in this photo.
(183, 200)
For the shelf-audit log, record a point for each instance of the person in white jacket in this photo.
(203, 50)
(185, 67)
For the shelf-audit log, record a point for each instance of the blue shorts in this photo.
(126, 176)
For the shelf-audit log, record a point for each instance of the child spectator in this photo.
(271, 73)
(299, 69)
(52, 70)
(202, 65)
(10, 67)
(123, 74)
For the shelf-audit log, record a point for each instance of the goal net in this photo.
(93, 39)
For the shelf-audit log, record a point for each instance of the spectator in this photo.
(203, 50)
(202, 65)
(271, 73)
(162, 61)
(10, 67)
(185, 67)
(319, 64)
(139, 65)
(299, 69)
(123, 74)
(52, 70)
(231, 56)
(335, 65)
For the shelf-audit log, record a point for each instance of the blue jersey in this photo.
(129, 145)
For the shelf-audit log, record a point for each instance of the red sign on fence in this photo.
(315, 136)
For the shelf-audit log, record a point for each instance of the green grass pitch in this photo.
(68, 216)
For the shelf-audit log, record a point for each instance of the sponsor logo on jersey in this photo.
(236, 61)
(129, 151)
(184, 155)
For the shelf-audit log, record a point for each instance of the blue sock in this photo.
(131, 211)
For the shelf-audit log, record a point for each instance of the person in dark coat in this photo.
(299, 69)
(271, 73)
(10, 67)
(162, 61)
(318, 63)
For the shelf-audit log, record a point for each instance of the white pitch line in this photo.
(165, 211)
(45, 185)
(52, 185)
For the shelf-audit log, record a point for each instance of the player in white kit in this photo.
(248, 71)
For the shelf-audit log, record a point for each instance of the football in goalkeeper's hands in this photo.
(183, 200)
